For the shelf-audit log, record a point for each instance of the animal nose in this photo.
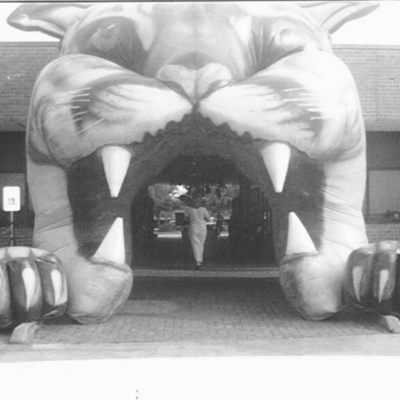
(195, 84)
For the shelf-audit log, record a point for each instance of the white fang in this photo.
(357, 277)
(29, 278)
(112, 248)
(299, 241)
(116, 161)
(276, 156)
(383, 280)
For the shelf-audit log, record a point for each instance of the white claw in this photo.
(56, 279)
(299, 241)
(29, 278)
(112, 248)
(357, 277)
(116, 161)
(383, 280)
(276, 156)
(64, 293)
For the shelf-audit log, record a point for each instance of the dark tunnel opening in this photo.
(239, 233)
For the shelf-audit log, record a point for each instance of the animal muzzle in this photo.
(195, 84)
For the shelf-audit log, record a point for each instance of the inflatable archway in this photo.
(140, 84)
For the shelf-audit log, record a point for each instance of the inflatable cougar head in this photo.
(139, 84)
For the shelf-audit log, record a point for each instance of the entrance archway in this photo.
(240, 228)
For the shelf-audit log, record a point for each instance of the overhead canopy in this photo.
(191, 170)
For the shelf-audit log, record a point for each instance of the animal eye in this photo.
(108, 32)
(105, 36)
(114, 39)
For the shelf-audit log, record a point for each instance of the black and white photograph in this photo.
(200, 199)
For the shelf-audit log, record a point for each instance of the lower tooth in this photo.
(112, 248)
(299, 241)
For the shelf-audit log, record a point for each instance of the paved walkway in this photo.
(206, 313)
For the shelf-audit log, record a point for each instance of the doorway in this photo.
(239, 233)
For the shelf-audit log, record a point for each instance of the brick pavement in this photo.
(224, 302)
(185, 306)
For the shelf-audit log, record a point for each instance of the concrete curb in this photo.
(359, 345)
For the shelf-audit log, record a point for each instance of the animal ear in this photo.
(52, 19)
(333, 14)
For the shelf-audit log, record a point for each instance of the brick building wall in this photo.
(377, 76)
(378, 232)
(20, 65)
(22, 237)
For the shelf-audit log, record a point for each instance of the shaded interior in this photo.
(94, 210)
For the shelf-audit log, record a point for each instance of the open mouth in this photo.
(102, 128)
(102, 185)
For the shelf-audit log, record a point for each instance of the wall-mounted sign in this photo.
(11, 198)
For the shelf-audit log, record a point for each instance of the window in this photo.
(383, 191)
(383, 188)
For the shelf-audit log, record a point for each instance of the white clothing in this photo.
(198, 231)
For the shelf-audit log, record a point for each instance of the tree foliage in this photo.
(203, 176)
(166, 198)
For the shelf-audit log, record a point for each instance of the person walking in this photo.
(198, 216)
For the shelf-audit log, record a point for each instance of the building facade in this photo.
(375, 71)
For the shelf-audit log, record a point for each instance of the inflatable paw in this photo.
(138, 85)
(33, 286)
(373, 278)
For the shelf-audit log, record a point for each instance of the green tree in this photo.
(165, 198)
